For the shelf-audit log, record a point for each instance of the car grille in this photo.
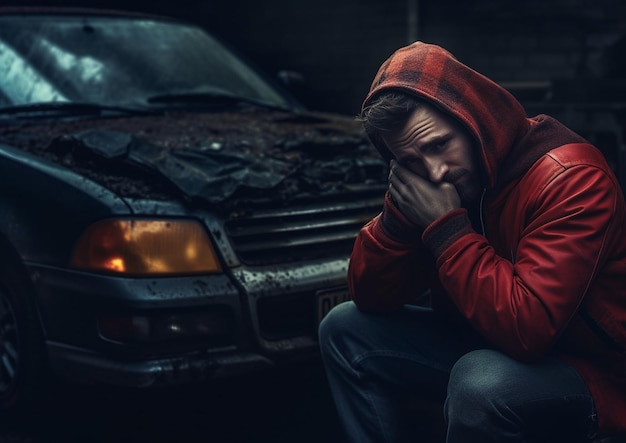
(303, 231)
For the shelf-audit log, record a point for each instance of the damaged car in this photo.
(169, 214)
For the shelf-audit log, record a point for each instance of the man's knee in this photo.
(477, 382)
(478, 372)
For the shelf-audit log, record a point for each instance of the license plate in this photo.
(328, 299)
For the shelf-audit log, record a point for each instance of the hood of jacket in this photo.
(508, 141)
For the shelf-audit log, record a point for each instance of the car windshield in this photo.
(114, 62)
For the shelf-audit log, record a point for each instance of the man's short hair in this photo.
(387, 112)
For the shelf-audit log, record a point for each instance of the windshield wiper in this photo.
(211, 99)
(69, 109)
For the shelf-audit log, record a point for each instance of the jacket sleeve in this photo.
(389, 263)
(522, 304)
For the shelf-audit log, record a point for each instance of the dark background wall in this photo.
(337, 45)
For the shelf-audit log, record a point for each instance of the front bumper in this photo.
(70, 303)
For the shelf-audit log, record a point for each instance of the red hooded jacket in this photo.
(547, 272)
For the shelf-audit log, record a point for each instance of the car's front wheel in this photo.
(23, 368)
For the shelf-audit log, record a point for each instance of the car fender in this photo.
(44, 207)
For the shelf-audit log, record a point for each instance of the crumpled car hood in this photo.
(218, 158)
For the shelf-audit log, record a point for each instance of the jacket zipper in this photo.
(480, 212)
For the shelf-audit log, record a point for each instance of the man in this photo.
(515, 230)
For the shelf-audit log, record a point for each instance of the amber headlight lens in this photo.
(146, 248)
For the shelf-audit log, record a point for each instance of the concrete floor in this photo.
(278, 407)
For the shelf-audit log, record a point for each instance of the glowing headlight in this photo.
(146, 247)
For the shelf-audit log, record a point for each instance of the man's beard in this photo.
(468, 189)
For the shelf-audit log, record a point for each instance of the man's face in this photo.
(439, 149)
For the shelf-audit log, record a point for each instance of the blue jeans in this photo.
(377, 363)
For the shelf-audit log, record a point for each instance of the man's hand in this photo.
(420, 200)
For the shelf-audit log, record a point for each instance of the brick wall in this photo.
(531, 40)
